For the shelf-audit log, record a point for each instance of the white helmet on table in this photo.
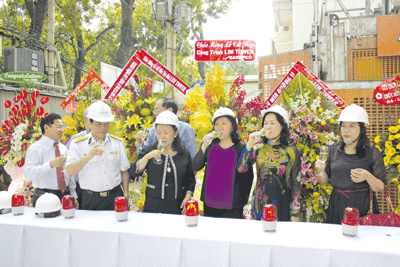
(354, 113)
(223, 112)
(49, 204)
(277, 109)
(5, 201)
(167, 117)
(101, 112)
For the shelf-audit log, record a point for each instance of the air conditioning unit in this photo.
(23, 59)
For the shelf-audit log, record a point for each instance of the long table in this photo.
(96, 238)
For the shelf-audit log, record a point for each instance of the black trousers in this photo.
(96, 201)
(79, 193)
(42, 191)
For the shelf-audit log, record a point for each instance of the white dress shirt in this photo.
(37, 165)
(103, 172)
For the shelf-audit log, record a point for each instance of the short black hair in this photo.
(49, 120)
(168, 102)
(284, 138)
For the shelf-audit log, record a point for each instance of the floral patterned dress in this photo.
(278, 179)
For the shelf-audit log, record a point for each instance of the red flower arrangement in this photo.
(22, 129)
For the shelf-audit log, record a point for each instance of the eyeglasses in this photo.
(58, 127)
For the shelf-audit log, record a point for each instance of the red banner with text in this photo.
(319, 84)
(129, 69)
(387, 92)
(162, 71)
(225, 50)
(85, 81)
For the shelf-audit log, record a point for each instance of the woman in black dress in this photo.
(170, 177)
(353, 166)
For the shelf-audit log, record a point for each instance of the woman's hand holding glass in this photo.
(254, 137)
(157, 154)
(320, 163)
(208, 138)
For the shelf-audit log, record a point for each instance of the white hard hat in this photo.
(5, 199)
(354, 113)
(101, 112)
(277, 110)
(167, 117)
(223, 112)
(47, 203)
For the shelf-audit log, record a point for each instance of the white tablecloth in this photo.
(97, 239)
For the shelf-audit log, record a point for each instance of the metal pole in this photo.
(171, 51)
(50, 40)
(345, 11)
(367, 7)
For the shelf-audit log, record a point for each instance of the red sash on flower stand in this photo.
(17, 175)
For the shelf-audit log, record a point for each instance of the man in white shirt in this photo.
(45, 160)
(101, 161)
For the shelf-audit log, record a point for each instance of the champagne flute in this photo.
(160, 147)
(215, 134)
(263, 132)
(323, 154)
(101, 143)
(145, 132)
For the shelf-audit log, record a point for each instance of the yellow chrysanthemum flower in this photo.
(391, 137)
(316, 194)
(393, 129)
(377, 139)
(332, 120)
(395, 180)
(386, 160)
(388, 144)
(320, 109)
(323, 122)
(329, 191)
(379, 148)
(397, 159)
(227, 103)
(139, 103)
(145, 112)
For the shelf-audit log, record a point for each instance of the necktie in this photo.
(60, 173)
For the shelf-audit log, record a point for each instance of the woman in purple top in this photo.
(353, 166)
(225, 191)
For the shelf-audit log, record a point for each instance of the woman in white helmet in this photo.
(278, 166)
(170, 176)
(225, 191)
(353, 167)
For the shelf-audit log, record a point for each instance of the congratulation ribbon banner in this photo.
(91, 75)
(162, 71)
(129, 69)
(387, 92)
(225, 50)
(320, 85)
(76, 91)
